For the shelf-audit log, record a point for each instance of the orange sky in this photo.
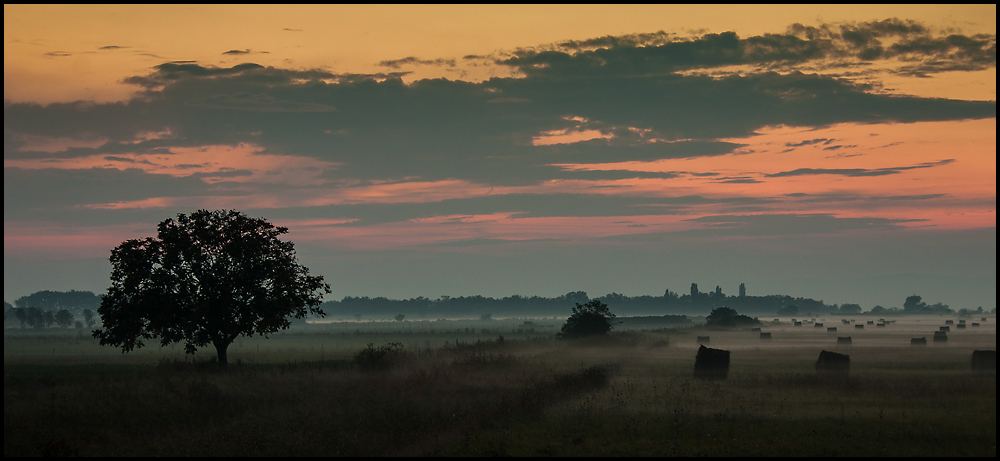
(91, 174)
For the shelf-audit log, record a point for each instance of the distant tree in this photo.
(49, 318)
(73, 301)
(694, 290)
(914, 304)
(718, 292)
(850, 309)
(78, 324)
(35, 318)
(726, 317)
(400, 317)
(64, 318)
(88, 316)
(207, 278)
(593, 318)
(486, 316)
(743, 290)
(22, 315)
(577, 297)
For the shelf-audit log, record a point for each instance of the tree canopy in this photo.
(726, 317)
(206, 278)
(593, 318)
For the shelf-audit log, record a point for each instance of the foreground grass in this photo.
(304, 409)
(629, 394)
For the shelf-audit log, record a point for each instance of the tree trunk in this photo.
(221, 348)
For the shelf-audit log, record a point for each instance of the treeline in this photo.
(695, 302)
(47, 309)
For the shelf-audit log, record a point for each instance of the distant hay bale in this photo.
(960, 326)
(949, 322)
(975, 324)
(961, 322)
(859, 327)
(818, 325)
(844, 340)
(711, 363)
(982, 319)
(944, 329)
(918, 341)
(984, 363)
(765, 335)
(880, 325)
(831, 330)
(871, 322)
(940, 336)
(833, 364)
(798, 324)
(754, 329)
(845, 321)
(703, 340)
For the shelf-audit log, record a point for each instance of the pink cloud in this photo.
(216, 163)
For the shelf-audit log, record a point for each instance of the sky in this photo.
(842, 153)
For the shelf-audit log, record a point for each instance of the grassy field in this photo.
(457, 389)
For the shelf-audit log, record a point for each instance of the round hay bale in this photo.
(940, 336)
(711, 363)
(944, 329)
(843, 340)
(833, 364)
(703, 340)
(798, 324)
(949, 322)
(831, 330)
(765, 335)
(818, 325)
(859, 327)
(918, 341)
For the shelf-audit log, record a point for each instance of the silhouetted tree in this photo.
(22, 316)
(593, 318)
(207, 278)
(400, 317)
(88, 316)
(913, 304)
(726, 317)
(850, 309)
(743, 290)
(694, 290)
(64, 318)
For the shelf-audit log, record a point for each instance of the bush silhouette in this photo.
(593, 318)
(726, 317)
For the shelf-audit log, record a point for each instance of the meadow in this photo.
(504, 387)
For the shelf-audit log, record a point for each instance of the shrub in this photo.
(372, 358)
(593, 318)
(726, 317)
